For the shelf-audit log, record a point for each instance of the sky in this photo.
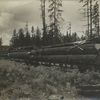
(14, 14)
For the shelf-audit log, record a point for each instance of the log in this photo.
(67, 59)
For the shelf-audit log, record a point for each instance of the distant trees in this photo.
(26, 38)
(18, 39)
(22, 38)
(71, 37)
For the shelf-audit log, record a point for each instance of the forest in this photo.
(51, 33)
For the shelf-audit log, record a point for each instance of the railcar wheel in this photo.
(82, 68)
(35, 63)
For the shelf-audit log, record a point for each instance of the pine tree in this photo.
(96, 18)
(83, 37)
(38, 37)
(32, 29)
(66, 37)
(21, 37)
(74, 37)
(33, 40)
(89, 6)
(43, 11)
(55, 15)
(33, 36)
(45, 37)
(14, 39)
(27, 39)
(0, 41)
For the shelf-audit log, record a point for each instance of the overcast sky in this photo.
(15, 13)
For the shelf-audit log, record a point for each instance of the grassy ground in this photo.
(18, 80)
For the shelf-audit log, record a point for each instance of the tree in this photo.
(14, 39)
(44, 37)
(43, 15)
(83, 37)
(86, 4)
(33, 36)
(74, 37)
(21, 37)
(55, 15)
(38, 37)
(96, 18)
(66, 38)
(70, 37)
(32, 29)
(89, 6)
(0, 41)
(27, 39)
(33, 40)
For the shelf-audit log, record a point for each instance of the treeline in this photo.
(25, 38)
(35, 38)
(50, 33)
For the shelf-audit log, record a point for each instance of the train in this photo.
(84, 54)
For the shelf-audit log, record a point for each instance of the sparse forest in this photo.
(21, 38)
(91, 8)
(50, 34)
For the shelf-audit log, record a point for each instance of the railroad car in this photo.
(82, 54)
(85, 53)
